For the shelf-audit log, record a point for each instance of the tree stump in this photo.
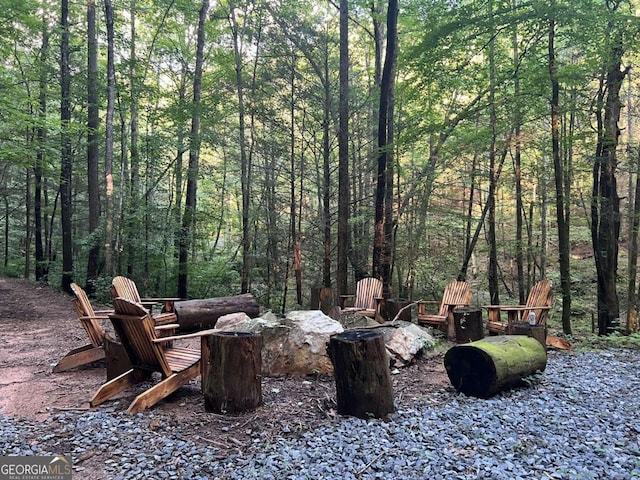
(322, 299)
(485, 367)
(204, 313)
(393, 307)
(539, 332)
(232, 371)
(361, 369)
(468, 324)
(116, 358)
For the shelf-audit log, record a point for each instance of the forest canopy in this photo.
(271, 146)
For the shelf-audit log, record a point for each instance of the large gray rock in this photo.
(405, 341)
(297, 344)
(294, 345)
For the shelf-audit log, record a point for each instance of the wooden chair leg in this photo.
(79, 356)
(163, 389)
(115, 386)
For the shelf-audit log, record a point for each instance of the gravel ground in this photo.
(581, 420)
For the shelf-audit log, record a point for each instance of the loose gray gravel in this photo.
(581, 420)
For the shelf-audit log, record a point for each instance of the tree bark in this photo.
(66, 157)
(108, 154)
(605, 211)
(384, 186)
(563, 227)
(42, 266)
(232, 372)
(188, 220)
(204, 313)
(343, 152)
(93, 123)
(361, 368)
(487, 366)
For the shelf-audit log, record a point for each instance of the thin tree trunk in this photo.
(245, 168)
(384, 186)
(93, 123)
(605, 201)
(132, 231)
(108, 156)
(563, 227)
(343, 151)
(493, 248)
(517, 120)
(66, 157)
(42, 267)
(194, 152)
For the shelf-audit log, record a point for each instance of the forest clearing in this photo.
(42, 413)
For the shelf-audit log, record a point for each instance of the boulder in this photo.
(294, 345)
(405, 341)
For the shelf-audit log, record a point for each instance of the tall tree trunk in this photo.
(42, 266)
(326, 171)
(27, 220)
(493, 248)
(108, 156)
(245, 167)
(517, 120)
(133, 225)
(384, 188)
(605, 211)
(66, 159)
(563, 227)
(343, 151)
(188, 219)
(93, 122)
(634, 218)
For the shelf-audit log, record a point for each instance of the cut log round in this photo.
(539, 332)
(232, 371)
(485, 367)
(361, 369)
(204, 313)
(468, 324)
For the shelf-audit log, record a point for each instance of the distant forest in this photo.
(270, 146)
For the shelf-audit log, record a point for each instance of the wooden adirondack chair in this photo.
(366, 300)
(456, 294)
(91, 322)
(539, 301)
(177, 365)
(126, 288)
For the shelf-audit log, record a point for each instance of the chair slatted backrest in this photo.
(136, 331)
(125, 288)
(87, 316)
(540, 295)
(367, 290)
(455, 294)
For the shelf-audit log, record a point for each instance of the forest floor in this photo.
(38, 326)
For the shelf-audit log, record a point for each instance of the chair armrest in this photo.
(343, 300)
(167, 326)
(167, 302)
(96, 317)
(202, 333)
(423, 303)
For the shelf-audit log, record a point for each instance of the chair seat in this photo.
(368, 312)
(181, 358)
(432, 319)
